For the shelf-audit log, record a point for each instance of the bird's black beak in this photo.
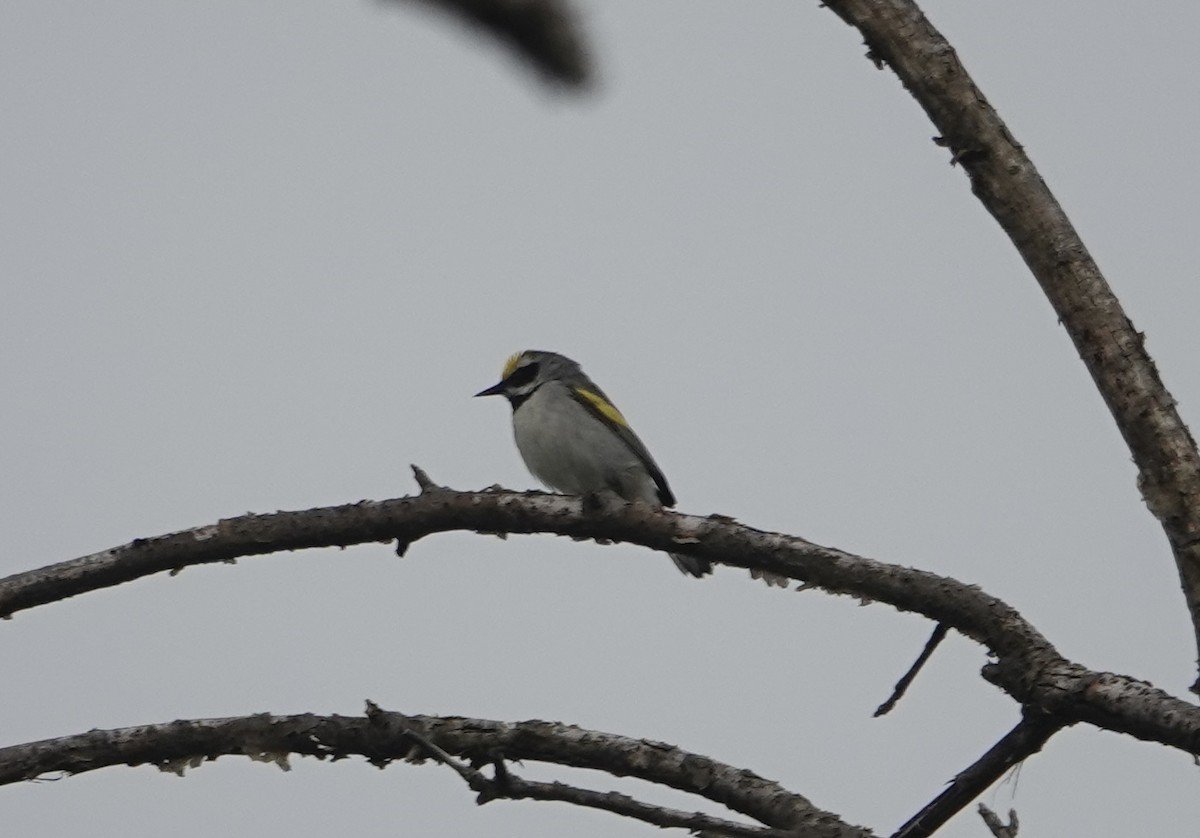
(494, 390)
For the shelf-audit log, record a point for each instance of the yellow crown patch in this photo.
(510, 366)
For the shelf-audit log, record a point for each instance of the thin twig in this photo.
(473, 777)
(998, 828)
(517, 788)
(935, 639)
(508, 786)
(423, 480)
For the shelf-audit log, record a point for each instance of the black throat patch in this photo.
(518, 399)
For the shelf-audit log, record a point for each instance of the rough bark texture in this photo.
(383, 737)
(1027, 666)
(1007, 183)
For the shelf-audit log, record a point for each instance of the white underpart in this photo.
(570, 450)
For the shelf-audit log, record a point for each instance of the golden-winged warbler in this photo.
(574, 440)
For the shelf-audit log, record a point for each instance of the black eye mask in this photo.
(522, 375)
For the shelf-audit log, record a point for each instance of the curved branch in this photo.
(384, 737)
(1010, 188)
(507, 786)
(1028, 667)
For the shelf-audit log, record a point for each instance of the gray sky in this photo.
(257, 256)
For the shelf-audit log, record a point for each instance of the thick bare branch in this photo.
(384, 737)
(1007, 183)
(546, 33)
(1028, 667)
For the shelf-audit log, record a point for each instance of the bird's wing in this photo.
(595, 402)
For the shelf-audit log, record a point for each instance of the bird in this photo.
(574, 440)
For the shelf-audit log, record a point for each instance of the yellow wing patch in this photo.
(601, 404)
(510, 366)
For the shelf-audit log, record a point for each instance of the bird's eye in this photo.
(522, 375)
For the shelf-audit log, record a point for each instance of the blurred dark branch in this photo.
(1027, 666)
(546, 33)
(1005, 180)
(384, 737)
(1024, 740)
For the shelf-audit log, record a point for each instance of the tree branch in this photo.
(997, 827)
(508, 786)
(939, 634)
(1007, 183)
(661, 816)
(1024, 740)
(384, 737)
(1027, 666)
